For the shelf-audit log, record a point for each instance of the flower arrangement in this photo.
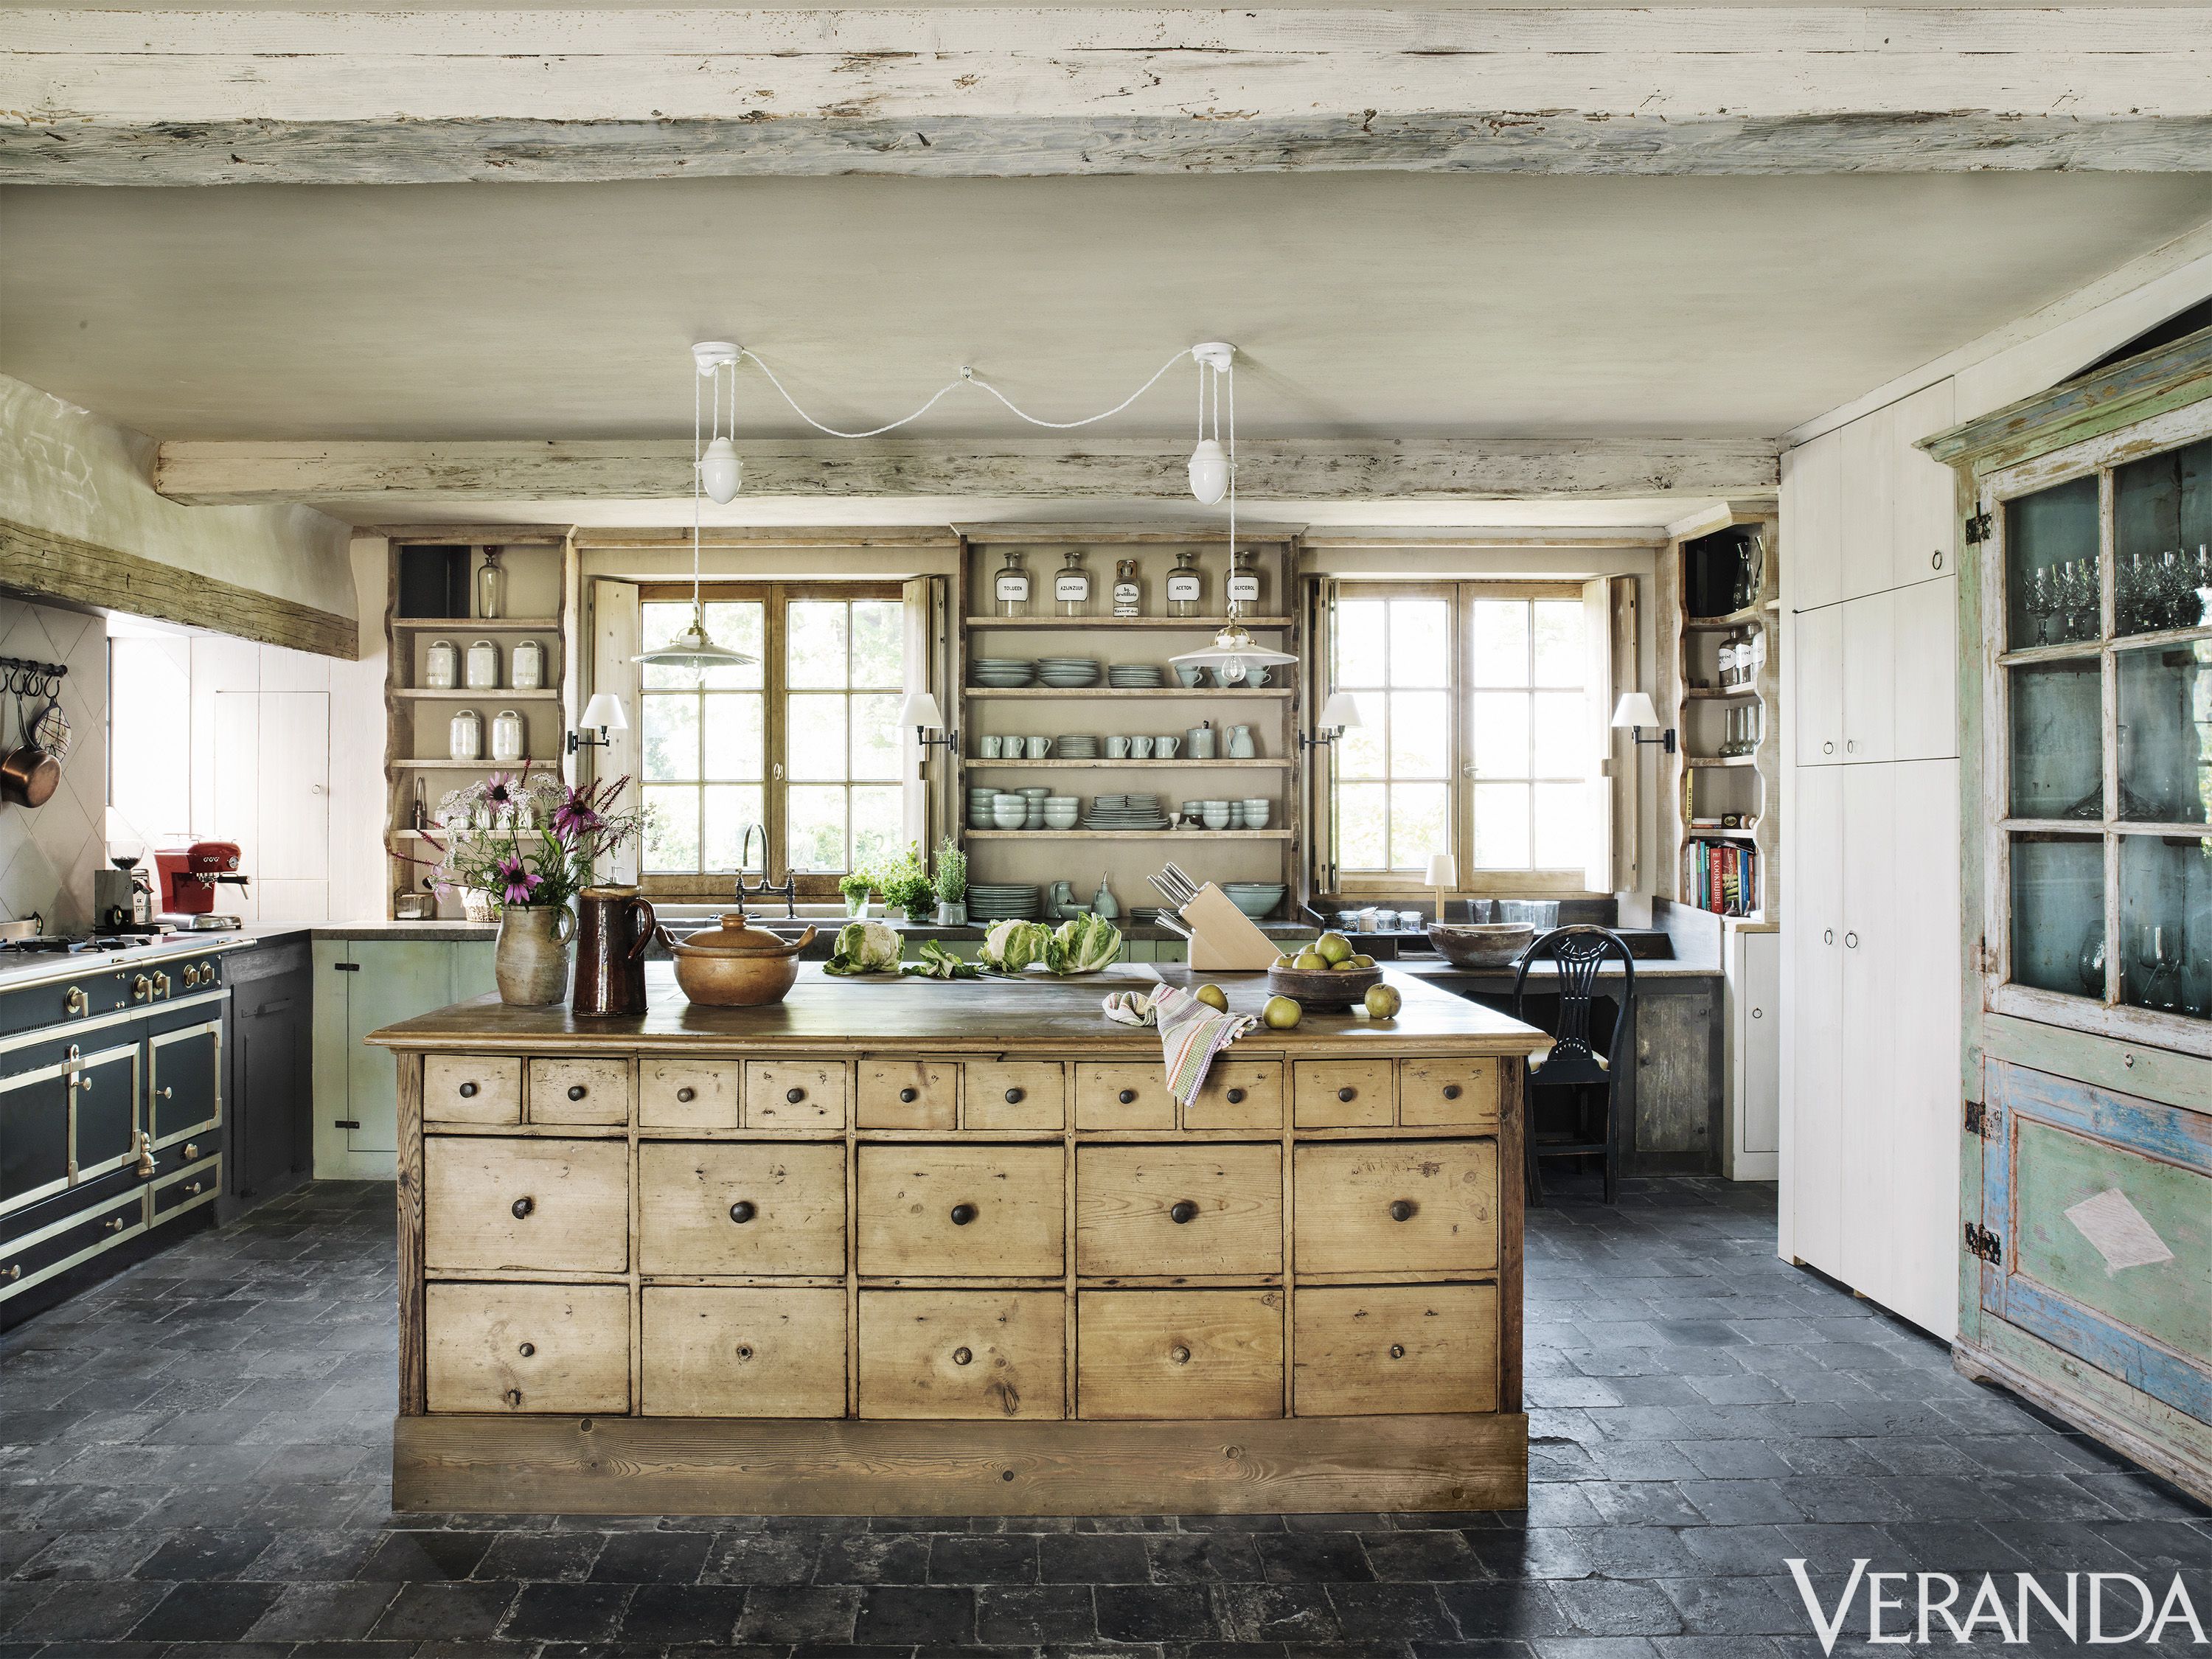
(527, 840)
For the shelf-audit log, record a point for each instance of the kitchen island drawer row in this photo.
(744, 1261)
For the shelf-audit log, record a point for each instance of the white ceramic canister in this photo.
(526, 669)
(441, 665)
(465, 736)
(482, 666)
(506, 736)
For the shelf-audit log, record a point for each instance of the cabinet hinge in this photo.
(347, 967)
(1978, 529)
(345, 1122)
(1981, 1241)
(1977, 1119)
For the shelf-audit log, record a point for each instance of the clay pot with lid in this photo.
(736, 965)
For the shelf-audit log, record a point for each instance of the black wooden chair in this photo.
(1576, 1061)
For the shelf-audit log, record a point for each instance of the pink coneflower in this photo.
(513, 882)
(577, 815)
(501, 789)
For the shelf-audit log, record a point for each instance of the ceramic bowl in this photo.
(1326, 987)
(1008, 811)
(1216, 817)
(1481, 945)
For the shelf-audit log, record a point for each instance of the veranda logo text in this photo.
(2099, 1609)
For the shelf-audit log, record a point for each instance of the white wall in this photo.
(48, 853)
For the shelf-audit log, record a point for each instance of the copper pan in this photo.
(28, 775)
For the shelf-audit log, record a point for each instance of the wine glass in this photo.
(2036, 598)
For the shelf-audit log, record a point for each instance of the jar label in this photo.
(1244, 590)
(1182, 588)
(1013, 590)
(1071, 590)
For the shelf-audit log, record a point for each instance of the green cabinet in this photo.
(361, 985)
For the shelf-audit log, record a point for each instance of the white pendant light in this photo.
(721, 471)
(1209, 471)
(694, 647)
(1232, 656)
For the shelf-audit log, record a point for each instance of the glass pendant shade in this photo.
(1209, 471)
(721, 471)
(693, 648)
(1232, 648)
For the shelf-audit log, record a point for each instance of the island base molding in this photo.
(734, 1465)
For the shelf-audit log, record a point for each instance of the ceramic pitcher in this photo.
(614, 926)
(531, 962)
(1199, 740)
(1240, 743)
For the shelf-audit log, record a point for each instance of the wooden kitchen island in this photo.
(926, 1248)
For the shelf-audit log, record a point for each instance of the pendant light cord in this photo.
(967, 377)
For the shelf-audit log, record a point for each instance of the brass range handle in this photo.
(1183, 1211)
(75, 1002)
(743, 1211)
(1402, 1209)
(191, 1152)
(141, 988)
(962, 1214)
(145, 1155)
(191, 976)
(161, 985)
(521, 1208)
(165, 1093)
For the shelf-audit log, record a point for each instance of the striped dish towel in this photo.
(1191, 1032)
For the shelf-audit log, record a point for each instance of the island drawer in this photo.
(741, 1208)
(472, 1089)
(955, 1212)
(1168, 1354)
(1340, 1094)
(1022, 1094)
(1239, 1094)
(1395, 1349)
(1179, 1210)
(527, 1347)
(794, 1094)
(1122, 1095)
(1437, 1093)
(964, 1353)
(1375, 1206)
(525, 1205)
(908, 1094)
(687, 1094)
(716, 1351)
(579, 1091)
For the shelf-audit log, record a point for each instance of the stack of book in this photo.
(1720, 876)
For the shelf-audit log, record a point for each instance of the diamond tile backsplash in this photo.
(48, 853)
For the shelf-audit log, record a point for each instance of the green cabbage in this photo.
(864, 947)
(938, 963)
(1010, 946)
(1082, 945)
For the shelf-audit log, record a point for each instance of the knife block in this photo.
(1223, 938)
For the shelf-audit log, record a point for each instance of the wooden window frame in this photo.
(775, 597)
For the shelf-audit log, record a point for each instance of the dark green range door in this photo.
(34, 1148)
(184, 1086)
(107, 1115)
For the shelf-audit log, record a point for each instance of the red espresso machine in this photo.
(189, 876)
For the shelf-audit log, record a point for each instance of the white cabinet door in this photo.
(1871, 939)
(1755, 1053)
(1926, 672)
(1863, 480)
(1820, 692)
(1870, 652)
(1813, 1031)
(1811, 502)
(1923, 516)
(1924, 969)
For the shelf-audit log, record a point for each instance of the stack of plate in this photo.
(979, 797)
(1076, 748)
(1002, 901)
(1133, 674)
(1067, 671)
(1125, 812)
(1004, 671)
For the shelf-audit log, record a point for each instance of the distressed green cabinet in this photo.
(360, 986)
(2086, 1188)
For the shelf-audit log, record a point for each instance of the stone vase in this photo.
(532, 960)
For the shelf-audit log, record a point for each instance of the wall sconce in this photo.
(922, 714)
(1338, 712)
(1633, 712)
(603, 714)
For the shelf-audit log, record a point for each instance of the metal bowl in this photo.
(1323, 987)
(1481, 945)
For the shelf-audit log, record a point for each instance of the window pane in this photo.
(2165, 922)
(1420, 736)
(1420, 642)
(878, 820)
(2058, 915)
(879, 643)
(814, 643)
(1361, 651)
(733, 735)
(1362, 822)
(2057, 748)
(729, 809)
(1563, 739)
(1416, 823)
(1501, 734)
(672, 835)
(1563, 826)
(658, 625)
(1559, 642)
(1501, 642)
(671, 738)
(816, 828)
(817, 736)
(740, 625)
(876, 733)
(1501, 826)
(1359, 750)
(2165, 734)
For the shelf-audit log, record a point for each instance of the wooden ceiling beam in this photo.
(196, 97)
(231, 474)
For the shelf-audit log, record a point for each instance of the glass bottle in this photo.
(1011, 587)
(1128, 598)
(1244, 579)
(1071, 586)
(1186, 589)
(491, 586)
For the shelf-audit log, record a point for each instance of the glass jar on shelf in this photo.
(491, 586)
(1186, 587)
(1010, 588)
(1071, 586)
(1128, 596)
(1244, 587)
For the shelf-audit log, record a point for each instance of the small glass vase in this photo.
(531, 962)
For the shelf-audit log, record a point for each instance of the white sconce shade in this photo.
(721, 471)
(604, 713)
(1634, 709)
(1340, 712)
(1209, 471)
(1443, 870)
(921, 710)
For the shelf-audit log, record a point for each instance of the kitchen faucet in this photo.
(787, 888)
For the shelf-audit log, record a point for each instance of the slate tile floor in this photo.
(193, 1462)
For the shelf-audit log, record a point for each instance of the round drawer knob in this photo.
(164, 1094)
(1013, 1096)
(191, 1189)
(1127, 1096)
(907, 1096)
(1451, 1091)
(522, 1207)
(1397, 1351)
(576, 1091)
(1182, 1210)
(794, 1096)
(191, 1152)
(1401, 1209)
(528, 1349)
(1347, 1093)
(468, 1092)
(962, 1356)
(1235, 1096)
(515, 1396)
(962, 1214)
(1180, 1355)
(687, 1093)
(744, 1351)
(743, 1211)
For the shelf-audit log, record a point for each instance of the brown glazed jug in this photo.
(614, 926)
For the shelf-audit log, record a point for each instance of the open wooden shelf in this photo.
(483, 624)
(1170, 833)
(462, 694)
(1168, 623)
(1719, 693)
(1702, 760)
(472, 766)
(1105, 764)
(1113, 691)
(1720, 624)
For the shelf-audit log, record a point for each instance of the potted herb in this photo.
(905, 886)
(952, 885)
(855, 885)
